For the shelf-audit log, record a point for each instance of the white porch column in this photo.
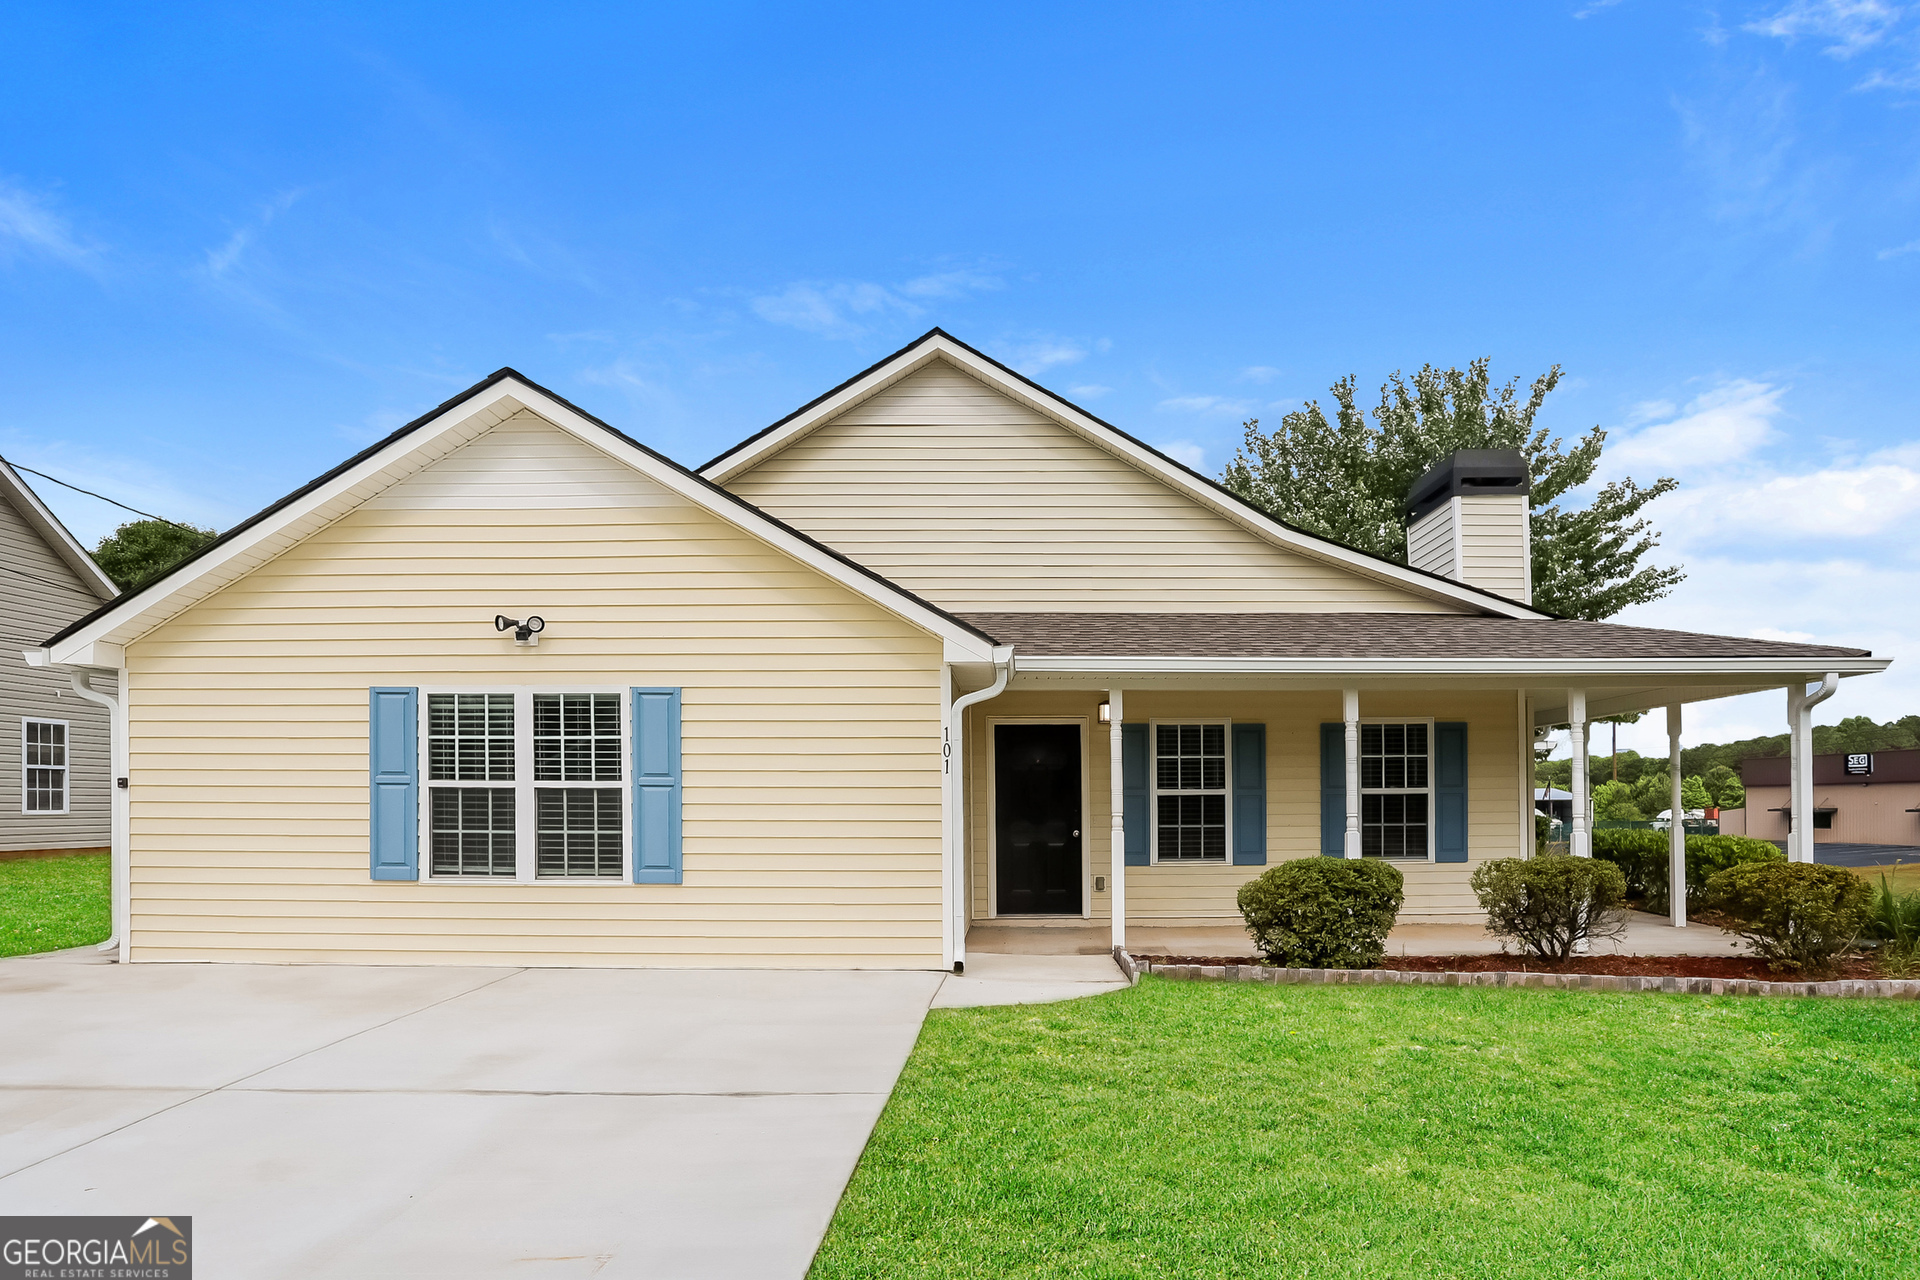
(1677, 833)
(1579, 843)
(1798, 820)
(1350, 712)
(1117, 841)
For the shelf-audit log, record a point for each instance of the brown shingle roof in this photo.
(1362, 635)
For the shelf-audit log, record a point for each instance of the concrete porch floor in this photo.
(1646, 936)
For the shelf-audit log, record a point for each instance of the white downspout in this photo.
(956, 765)
(118, 825)
(1800, 705)
(1117, 831)
(1677, 829)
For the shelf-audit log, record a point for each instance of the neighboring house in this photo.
(53, 743)
(1554, 803)
(832, 699)
(1864, 798)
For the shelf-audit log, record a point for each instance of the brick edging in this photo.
(1856, 988)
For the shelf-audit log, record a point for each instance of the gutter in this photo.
(1003, 664)
(118, 827)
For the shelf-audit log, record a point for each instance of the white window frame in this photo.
(66, 767)
(1153, 791)
(1426, 791)
(525, 810)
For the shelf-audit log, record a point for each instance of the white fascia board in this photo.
(1739, 670)
(751, 520)
(497, 403)
(55, 534)
(1105, 437)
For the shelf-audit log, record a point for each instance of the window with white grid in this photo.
(1190, 792)
(1396, 789)
(43, 766)
(526, 785)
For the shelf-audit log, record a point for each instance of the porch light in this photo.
(527, 632)
(1106, 713)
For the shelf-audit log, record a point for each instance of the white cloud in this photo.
(1185, 451)
(1911, 246)
(1260, 373)
(1091, 391)
(29, 225)
(850, 309)
(1204, 404)
(1725, 424)
(1851, 25)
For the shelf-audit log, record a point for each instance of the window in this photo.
(490, 816)
(1190, 792)
(43, 766)
(1396, 794)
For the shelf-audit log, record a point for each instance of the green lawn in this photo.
(50, 903)
(1238, 1131)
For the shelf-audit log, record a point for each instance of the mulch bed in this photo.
(1625, 966)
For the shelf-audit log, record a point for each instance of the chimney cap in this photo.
(1468, 473)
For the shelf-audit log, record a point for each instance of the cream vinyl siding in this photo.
(1205, 893)
(40, 593)
(978, 503)
(1430, 541)
(811, 731)
(1494, 545)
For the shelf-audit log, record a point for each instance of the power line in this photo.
(64, 586)
(103, 497)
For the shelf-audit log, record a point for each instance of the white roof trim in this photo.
(1741, 669)
(938, 345)
(55, 534)
(463, 420)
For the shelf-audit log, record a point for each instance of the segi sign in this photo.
(1859, 763)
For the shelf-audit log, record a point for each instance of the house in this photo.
(937, 648)
(53, 744)
(1553, 803)
(1868, 797)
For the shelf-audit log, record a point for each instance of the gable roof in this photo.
(423, 441)
(937, 344)
(56, 535)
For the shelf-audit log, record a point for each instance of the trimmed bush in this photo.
(1799, 916)
(1323, 913)
(1551, 904)
(1642, 858)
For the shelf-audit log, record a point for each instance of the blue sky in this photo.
(240, 243)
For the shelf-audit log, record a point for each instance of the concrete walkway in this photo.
(349, 1121)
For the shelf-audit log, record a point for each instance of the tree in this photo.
(141, 550)
(1724, 784)
(1694, 794)
(1613, 802)
(1348, 480)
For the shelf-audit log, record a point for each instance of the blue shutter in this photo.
(1333, 790)
(656, 786)
(393, 755)
(1249, 795)
(1450, 792)
(1133, 797)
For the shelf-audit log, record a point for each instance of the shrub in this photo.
(1642, 857)
(1549, 905)
(1323, 913)
(1799, 916)
(1896, 923)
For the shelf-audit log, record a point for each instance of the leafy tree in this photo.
(1613, 802)
(1652, 792)
(1348, 480)
(1694, 794)
(1724, 785)
(141, 550)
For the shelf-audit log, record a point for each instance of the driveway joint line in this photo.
(251, 1074)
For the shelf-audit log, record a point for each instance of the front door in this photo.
(1036, 796)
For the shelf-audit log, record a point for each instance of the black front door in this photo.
(1036, 796)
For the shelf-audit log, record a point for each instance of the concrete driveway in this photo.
(427, 1122)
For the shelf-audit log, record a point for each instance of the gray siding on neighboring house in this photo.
(41, 593)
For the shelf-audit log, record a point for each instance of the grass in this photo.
(1225, 1130)
(1905, 878)
(50, 903)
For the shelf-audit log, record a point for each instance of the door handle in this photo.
(1076, 833)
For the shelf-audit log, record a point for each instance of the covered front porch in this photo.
(1203, 769)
